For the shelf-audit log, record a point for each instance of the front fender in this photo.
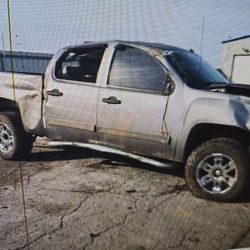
(233, 112)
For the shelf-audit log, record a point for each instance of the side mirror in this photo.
(169, 86)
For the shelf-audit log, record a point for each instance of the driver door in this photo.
(132, 105)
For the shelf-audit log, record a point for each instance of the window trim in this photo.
(134, 89)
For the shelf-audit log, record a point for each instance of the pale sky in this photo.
(48, 25)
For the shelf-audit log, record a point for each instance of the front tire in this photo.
(15, 143)
(217, 170)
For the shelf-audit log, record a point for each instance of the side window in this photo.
(134, 68)
(80, 65)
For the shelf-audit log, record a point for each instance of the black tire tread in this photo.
(23, 141)
(233, 147)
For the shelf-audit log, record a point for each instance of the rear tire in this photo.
(15, 143)
(217, 170)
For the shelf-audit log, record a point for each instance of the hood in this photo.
(232, 88)
(238, 89)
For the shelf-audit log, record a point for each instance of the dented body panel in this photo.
(145, 123)
(27, 96)
(207, 107)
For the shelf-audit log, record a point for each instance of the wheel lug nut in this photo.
(218, 172)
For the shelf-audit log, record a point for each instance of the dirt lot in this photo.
(88, 200)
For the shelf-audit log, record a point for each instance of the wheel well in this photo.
(203, 132)
(8, 105)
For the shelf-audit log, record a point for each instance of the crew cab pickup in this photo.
(138, 99)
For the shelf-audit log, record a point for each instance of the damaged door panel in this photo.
(27, 95)
(72, 95)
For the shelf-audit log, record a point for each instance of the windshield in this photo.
(196, 72)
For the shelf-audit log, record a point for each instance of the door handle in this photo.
(111, 100)
(54, 92)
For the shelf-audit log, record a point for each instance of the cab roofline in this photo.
(147, 45)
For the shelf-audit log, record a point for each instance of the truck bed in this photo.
(27, 93)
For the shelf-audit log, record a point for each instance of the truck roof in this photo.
(150, 45)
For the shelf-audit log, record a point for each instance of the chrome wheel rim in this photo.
(6, 138)
(217, 173)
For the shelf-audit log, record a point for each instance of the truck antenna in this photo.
(201, 45)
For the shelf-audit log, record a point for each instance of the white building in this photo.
(236, 59)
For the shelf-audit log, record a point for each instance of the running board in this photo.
(167, 165)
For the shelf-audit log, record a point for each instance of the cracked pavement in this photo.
(83, 199)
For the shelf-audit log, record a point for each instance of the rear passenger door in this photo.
(72, 95)
(132, 105)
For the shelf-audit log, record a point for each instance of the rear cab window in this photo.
(80, 65)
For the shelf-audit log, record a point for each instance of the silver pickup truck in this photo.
(138, 99)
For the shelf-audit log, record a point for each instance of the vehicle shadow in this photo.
(74, 153)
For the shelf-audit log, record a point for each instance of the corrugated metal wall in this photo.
(24, 62)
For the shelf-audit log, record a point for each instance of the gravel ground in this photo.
(82, 199)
